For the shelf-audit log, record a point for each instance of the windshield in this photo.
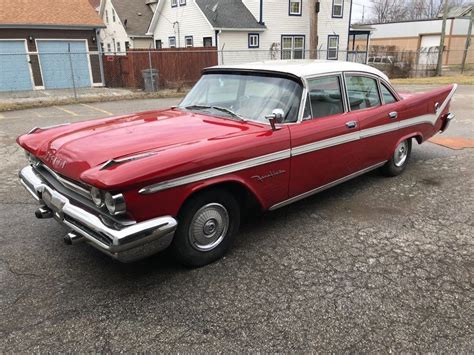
(242, 96)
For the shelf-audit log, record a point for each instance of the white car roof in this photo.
(306, 67)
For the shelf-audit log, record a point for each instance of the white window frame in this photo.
(109, 47)
(174, 3)
(298, 13)
(182, 2)
(169, 42)
(335, 4)
(293, 49)
(113, 15)
(186, 38)
(254, 40)
(332, 48)
(106, 16)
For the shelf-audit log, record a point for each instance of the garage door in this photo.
(64, 64)
(14, 67)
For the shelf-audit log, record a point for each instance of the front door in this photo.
(323, 146)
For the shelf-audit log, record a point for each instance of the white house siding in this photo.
(279, 22)
(191, 22)
(114, 32)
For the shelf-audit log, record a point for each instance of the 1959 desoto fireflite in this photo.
(266, 133)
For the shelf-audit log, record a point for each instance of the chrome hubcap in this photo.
(401, 154)
(208, 227)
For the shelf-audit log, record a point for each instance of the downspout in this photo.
(261, 12)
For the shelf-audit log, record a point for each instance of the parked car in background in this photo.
(265, 134)
(390, 65)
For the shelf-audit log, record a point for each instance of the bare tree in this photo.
(401, 10)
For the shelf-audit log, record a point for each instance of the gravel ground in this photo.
(375, 264)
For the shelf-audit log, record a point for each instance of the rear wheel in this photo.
(207, 225)
(397, 164)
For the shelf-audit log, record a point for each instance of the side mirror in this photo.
(276, 117)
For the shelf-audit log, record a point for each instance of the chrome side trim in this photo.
(325, 187)
(303, 149)
(222, 170)
(311, 147)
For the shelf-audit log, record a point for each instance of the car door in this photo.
(377, 114)
(323, 144)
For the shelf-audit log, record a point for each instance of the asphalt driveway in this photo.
(375, 264)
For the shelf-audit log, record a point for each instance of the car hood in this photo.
(73, 149)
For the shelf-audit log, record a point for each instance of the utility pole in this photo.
(441, 42)
(363, 13)
(313, 38)
(468, 41)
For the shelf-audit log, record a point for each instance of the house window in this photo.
(207, 41)
(295, 7)
(188, 41)
(182, 2)
(337, 8)
(333, 47)
(109, 47)
(106, 16)
(158, 44)
(174, 3)
(102, 47)
(172, 42)
(119, 48)
(292, 47)
(254, 40)
(113, 15)
(127, 45)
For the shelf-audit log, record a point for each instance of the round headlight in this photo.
(115, 203)
(97, 197)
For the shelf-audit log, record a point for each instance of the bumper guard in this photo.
(130, 243)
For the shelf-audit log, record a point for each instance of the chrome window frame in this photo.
(367, 75)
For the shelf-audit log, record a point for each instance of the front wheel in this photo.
(399, 160)
(207, 225)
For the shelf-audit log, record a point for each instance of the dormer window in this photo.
(295, 7)
(337, 8)
(113, 15)
(106, 16)
(174, 3)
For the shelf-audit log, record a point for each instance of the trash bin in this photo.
(150, 79)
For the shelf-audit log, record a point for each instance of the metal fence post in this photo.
(151, 70)
(72, 70)
(101, 58)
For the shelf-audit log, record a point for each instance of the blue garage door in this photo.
(14, 67)
(64, 64)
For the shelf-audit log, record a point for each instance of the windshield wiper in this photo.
(218, 108)
(197, 107)
(229, 111)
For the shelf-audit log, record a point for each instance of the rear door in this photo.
(323, 145)
(378, 121)
(64, 64)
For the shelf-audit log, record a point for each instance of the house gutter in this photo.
(53, 27)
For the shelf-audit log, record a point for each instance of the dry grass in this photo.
(437, 80)
(70, 101)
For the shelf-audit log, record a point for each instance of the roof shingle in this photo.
(228, 14)
(49, 12)
(137, 13)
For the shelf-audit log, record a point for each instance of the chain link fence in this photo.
(176, 68)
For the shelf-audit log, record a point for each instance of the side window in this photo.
(388, 97)
(325, 96)
(362, 92)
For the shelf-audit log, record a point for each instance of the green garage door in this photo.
(14, 67)
(64, 64)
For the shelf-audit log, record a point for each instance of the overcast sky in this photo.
(358, 8)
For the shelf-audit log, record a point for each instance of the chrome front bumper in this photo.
(130, 243)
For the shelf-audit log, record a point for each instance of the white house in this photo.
(247, 30)
(127, 23)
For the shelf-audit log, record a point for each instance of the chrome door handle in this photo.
(351, 124)
(393, 115)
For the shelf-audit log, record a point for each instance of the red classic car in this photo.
(265, 133)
